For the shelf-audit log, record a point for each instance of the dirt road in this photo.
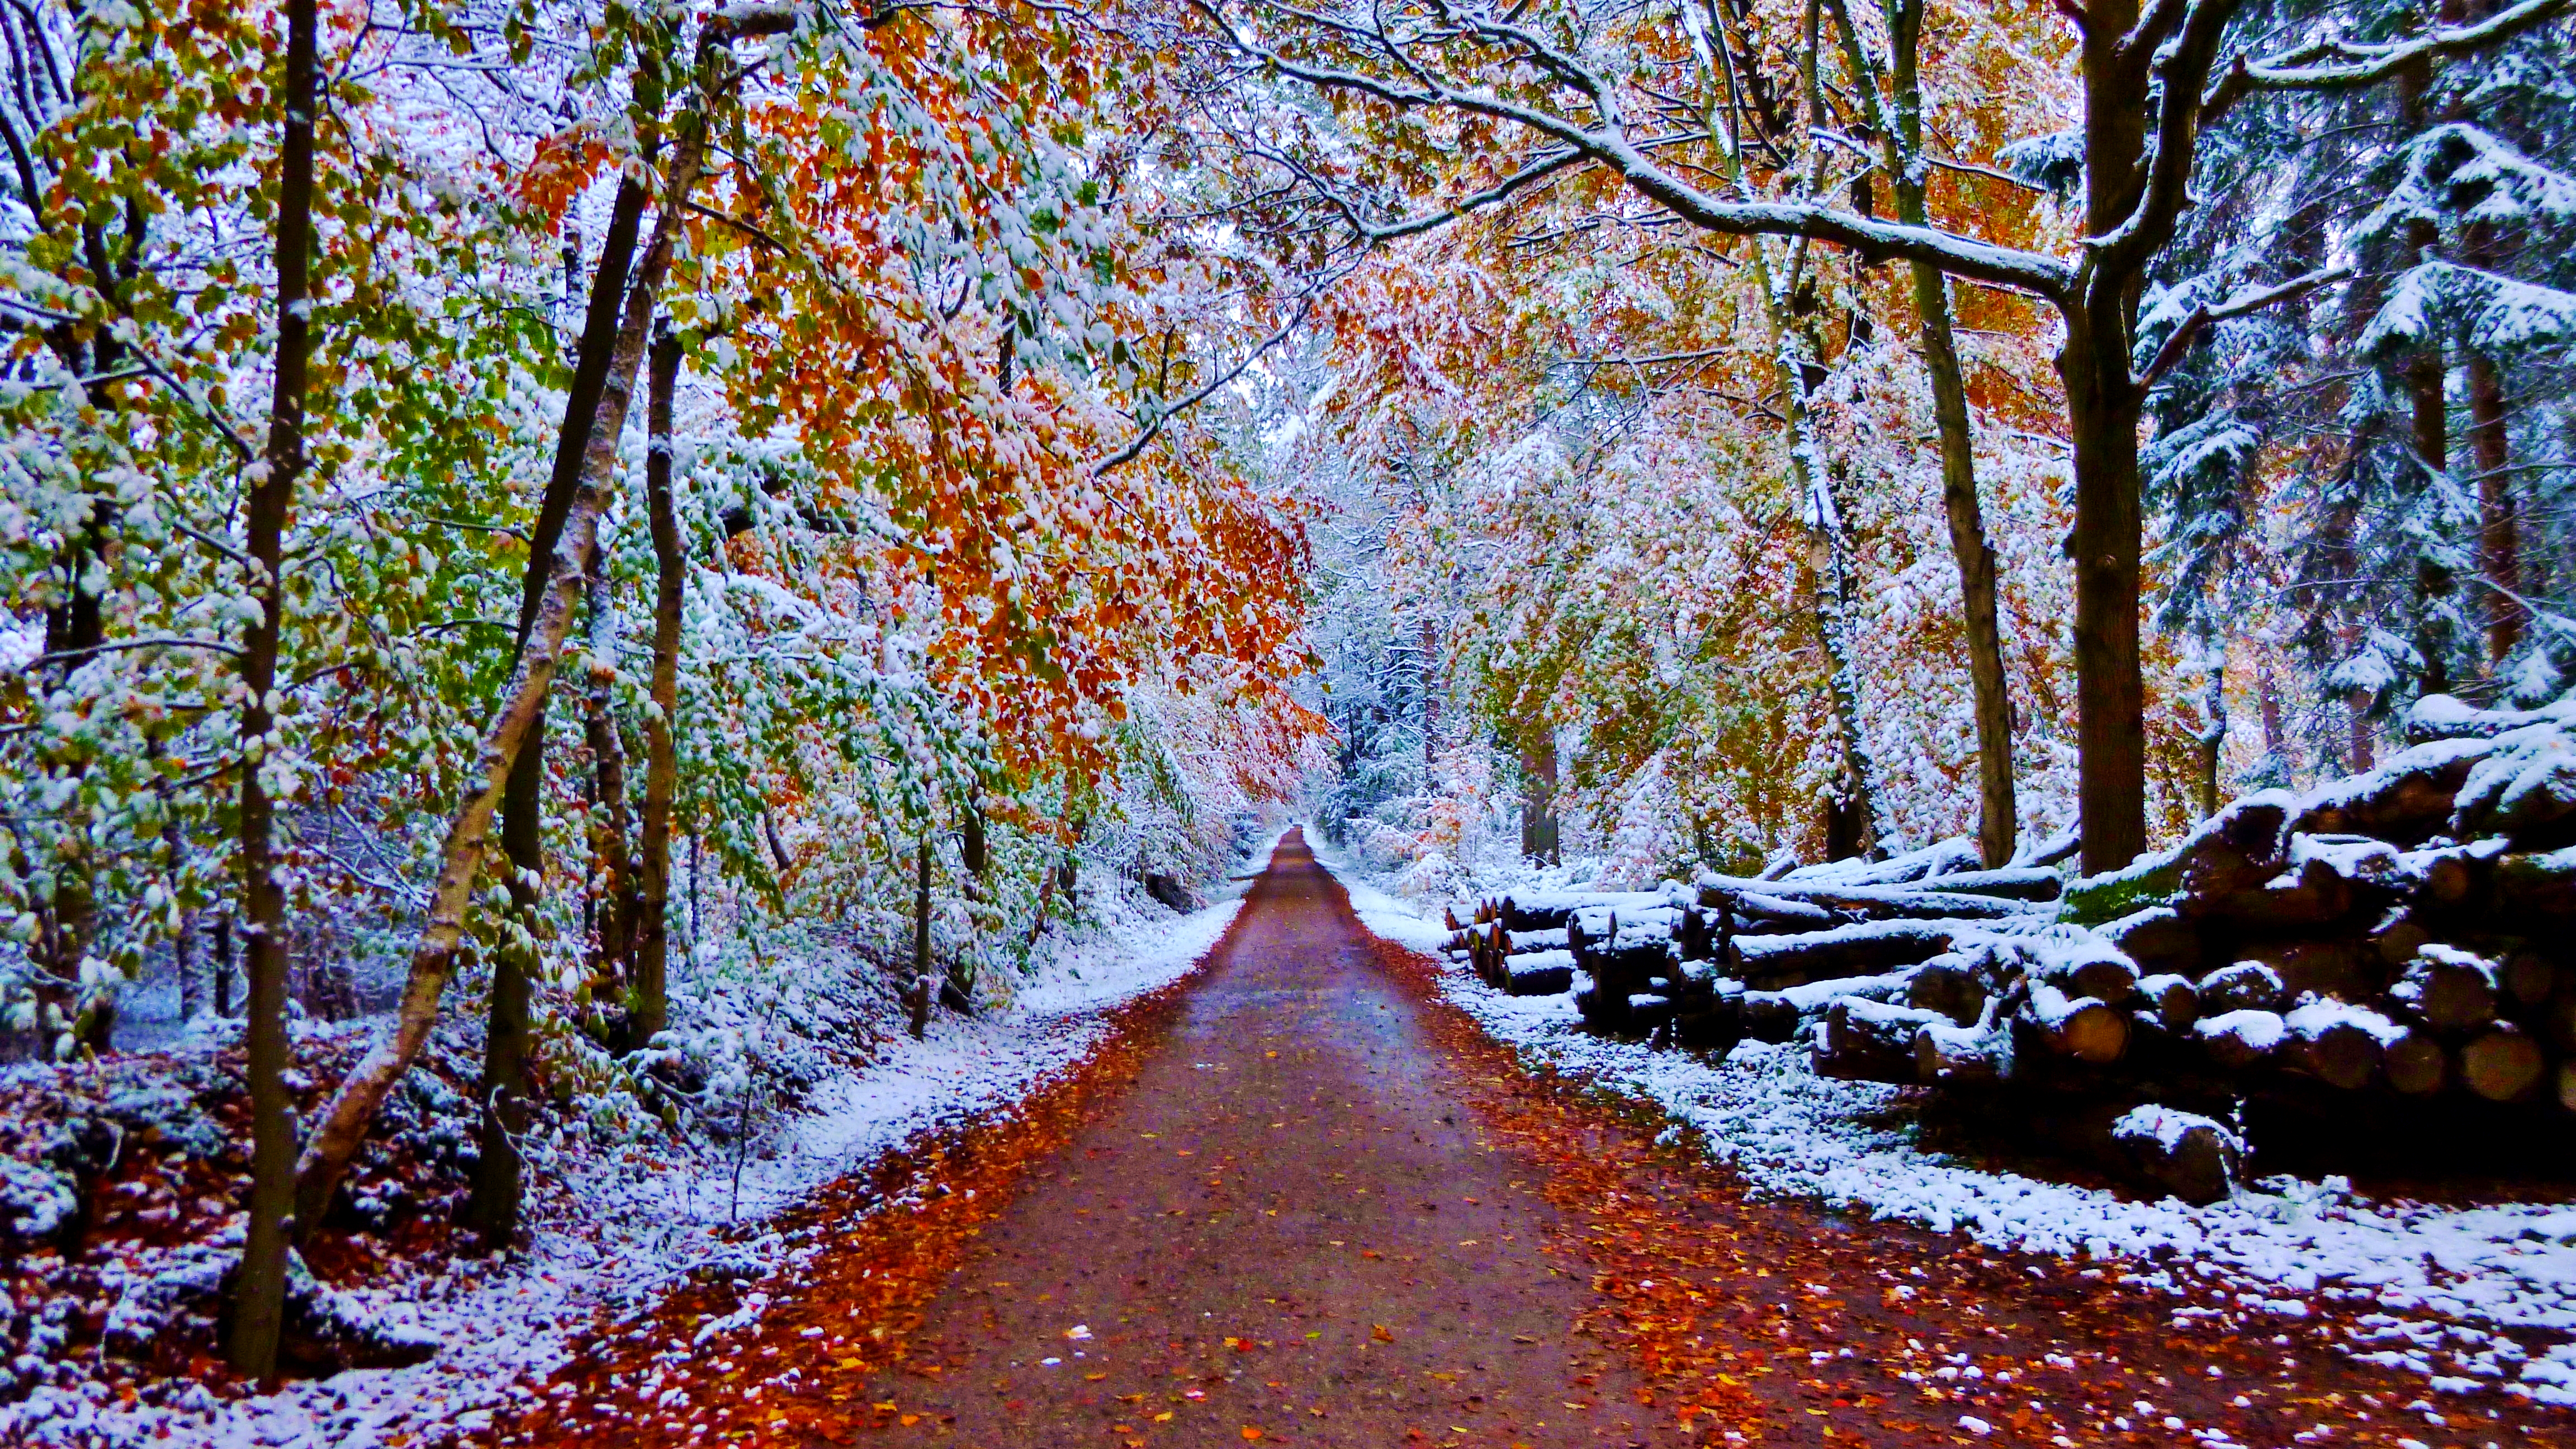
(1292, 1222)
(1303, 1201)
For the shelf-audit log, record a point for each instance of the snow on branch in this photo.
(2338, 64)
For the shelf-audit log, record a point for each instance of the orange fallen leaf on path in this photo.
(1381, 1333)
(1250, 1432)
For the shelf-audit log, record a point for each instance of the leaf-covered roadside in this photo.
(1777, 1321)
(784, 1360)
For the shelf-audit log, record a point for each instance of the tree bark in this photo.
(353, 1107)
(493, 1210)
(920, 990)
(2499, 549)
(648, 1009)
(1540, 830)
(259, 1285)
(613, 890)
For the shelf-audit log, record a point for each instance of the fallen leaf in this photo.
(1249, 1432)
(1381, 1333)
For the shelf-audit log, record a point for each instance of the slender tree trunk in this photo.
(2213, 717)
(613, 888)
(1902, 136)
(919, 998)
(648, 1009)
(353, 1108)
(222, 965)
(2499, 547)
(259, 1286)
(493, 1210)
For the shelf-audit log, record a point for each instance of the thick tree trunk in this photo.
(259, 1285)
(648, 1009)
(353, 1107)
(2111, 737)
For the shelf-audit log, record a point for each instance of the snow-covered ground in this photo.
(616, 1239)
(2441, 1291)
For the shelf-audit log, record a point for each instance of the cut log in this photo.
(1758, 914)
(2537, 891)
(2158, 939)
(2016, 883)
(2093, 968)
(1769, 1016)
(1949, 985)
(2407, 799)
(2341, 1044)
(2503, 1065)
(2528, 977)
(2396, 939)
(2194, 1158)
(2455, 878)
(1539, 973)
(2245, 986)
(2337, 967)
(1714, 1023)
(2449, 989)
(1868, 1041)
(2081, 1027)
(2416, 1064)
(2238, 849)
(2176, 1001)
(1957, 1056)
(2325, 879)
(2567, 1085)
(2237, 1040)
(1865, 949)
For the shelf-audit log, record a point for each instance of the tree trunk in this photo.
(1997, 810)
(2213, 717)
(2499, 550)
(648, 1005)
(2102, 403)
(1540, 830)
(920, 990)
(353, 1107)
(493, 1210)
(259, 1285)
(222, 965)
(613, 889)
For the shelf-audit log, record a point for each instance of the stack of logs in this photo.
(2405, 936)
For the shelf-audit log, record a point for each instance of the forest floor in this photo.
(1306, 1200)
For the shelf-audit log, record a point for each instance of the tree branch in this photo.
(2236, 306)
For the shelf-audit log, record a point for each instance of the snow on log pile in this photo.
(2398, 946)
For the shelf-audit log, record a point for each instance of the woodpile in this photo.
(2405, 937)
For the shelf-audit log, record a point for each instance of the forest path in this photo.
(1290, 1223)
(1303, 1200)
